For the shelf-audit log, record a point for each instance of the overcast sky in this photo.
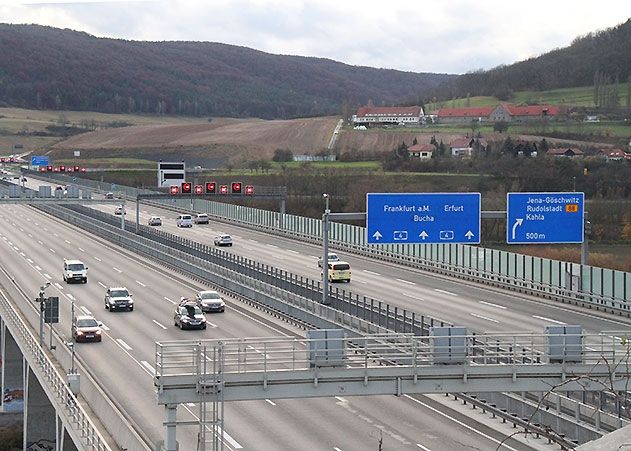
(453, 36)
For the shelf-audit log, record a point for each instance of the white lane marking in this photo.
(159, 325)
(37, 223)
(172, 302)
(229, 439)
(98, 259)
(406, 281)
(211, 324)
(58, 285)
(335, 448)
(490, 304)
(272, 245)
(102, 284)
(361, 281)
(372, 273)
(148, 366)
(424, 448)
(30, 236)
(55, 234)
(38, 268)
(29, 260)
(408, 295)
(485, 318)
(40, 242)
(293, 251)
(82, 250)
(22, 254)
(21, 229)
(140, 283)
(67, 241)
(53, 250)
(123, 344)
(190, 404)
(340, 399)
(47, 276)
(116, 269)
(85, 310)
(104, 327)
(459, 422)
(270, 402)
(445, 292)
(71, 297)
(543, 318)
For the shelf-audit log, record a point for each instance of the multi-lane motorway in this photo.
(34, 246)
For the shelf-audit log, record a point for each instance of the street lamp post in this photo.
(325, 250)
(42, 306)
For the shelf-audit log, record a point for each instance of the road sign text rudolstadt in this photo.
(413, 218)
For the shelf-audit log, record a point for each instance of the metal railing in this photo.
(65, 402)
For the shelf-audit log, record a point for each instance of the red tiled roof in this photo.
(422, 148)
(533, 110)
(465, 112)
(460, 143)
(389, 110)
(614, 153)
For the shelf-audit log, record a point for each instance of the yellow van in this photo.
(339, 271)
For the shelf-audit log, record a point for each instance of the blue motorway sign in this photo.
(534, 218)
(412, 218)
(39, 160)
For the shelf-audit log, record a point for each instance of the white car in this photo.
(331, 258)
(119, 210)
(184, 221)
(223, 240)
(75, 271)
(201, 218)
(210, 301)
(118, 298)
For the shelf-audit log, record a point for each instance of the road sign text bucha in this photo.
(420, 209)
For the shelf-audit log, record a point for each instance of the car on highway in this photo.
(189, 315)
(184, 221)
(119, 210)
(201, 218)
(210, 301)
(155, 221)
(109, 195)
(331, 258)
(118, 298)
(223, 240)
(339, 272)
(75, 271)
(86, 328)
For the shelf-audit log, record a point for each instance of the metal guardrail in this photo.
(64, 400)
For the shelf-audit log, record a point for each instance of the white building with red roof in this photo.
(422, 151)
(388, 115)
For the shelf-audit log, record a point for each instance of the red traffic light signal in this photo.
(236, 187)
(69, 169)
(187, 188)
(211, 187)
(49, 168)
(249, 190)
(199, 189)
(174, 189)
(42, 169)
(55, 169)
(62, 168)
(223, 189)
(76, 168)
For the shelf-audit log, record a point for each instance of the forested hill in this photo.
(50, 68)
(604, 55)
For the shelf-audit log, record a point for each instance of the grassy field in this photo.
(581, 96)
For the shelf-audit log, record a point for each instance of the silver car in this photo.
(210, 301)
(223, 240)
(155, 221)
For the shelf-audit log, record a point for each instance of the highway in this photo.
(34, 245)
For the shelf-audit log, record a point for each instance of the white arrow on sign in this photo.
(518, 222)
(469, 234)
(423, 234)
(377, 235)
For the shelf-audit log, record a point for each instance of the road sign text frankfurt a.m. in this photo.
(533, 218)
(413, 218)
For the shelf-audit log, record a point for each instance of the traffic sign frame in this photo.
(423, 218)
(548, 222)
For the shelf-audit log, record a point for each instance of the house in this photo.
(500, 113)
(567, 152)
(385, 115)
(614, 154)
(422, 151)
(464, 147)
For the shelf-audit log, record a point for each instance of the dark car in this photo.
(86, 328)
(188, 315)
